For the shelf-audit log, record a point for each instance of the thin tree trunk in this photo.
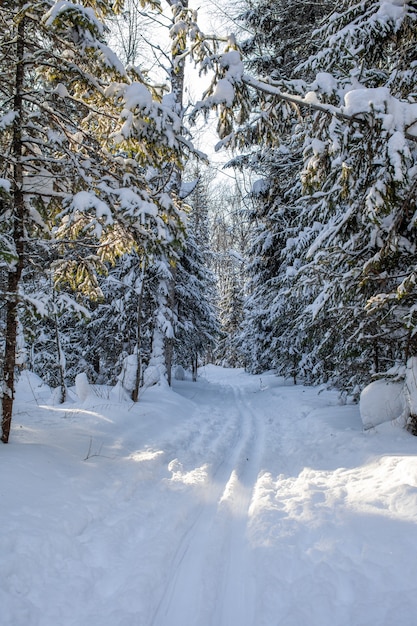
(194, 367)
(408, 346)
(169, 341)
(135, 392)
(177, 87)
(18, 236)
(376, 356)
(61, 362)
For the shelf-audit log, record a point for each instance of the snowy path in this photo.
(236, 501)
(208, 578)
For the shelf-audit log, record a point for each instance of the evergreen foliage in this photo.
(83, 144)
(331, 295)
(197, 325)
(102, 263)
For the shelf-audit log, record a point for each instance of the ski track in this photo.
(235, 507)
(207, 579)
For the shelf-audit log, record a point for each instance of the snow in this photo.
(235, 500)
(394, 10)
(325, 82)
(395, 114)
(82, 386)
(382, 401)
(260, 187)
(411, 385)
(388, 400)
(360, 100)
(7, 120)
(84, 200)
(232, 61)
(5, 184)
(62, 6)
(223, 93)
(179, 373)
(311, 98)
(137, 95)
(110, 59)
(133, 204)
(318, 147)
(61, 91)
(187, 188)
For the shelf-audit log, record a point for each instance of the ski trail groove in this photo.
(237, 580)
(209, 579)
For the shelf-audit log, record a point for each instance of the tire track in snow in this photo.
(209, 578)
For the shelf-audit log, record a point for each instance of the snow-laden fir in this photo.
(237, 499)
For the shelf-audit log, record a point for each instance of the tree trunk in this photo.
(376, 356)
(18, 236)
(61, 362)
(135, 392)
(169, 341)
(194, 367)
(177, 78)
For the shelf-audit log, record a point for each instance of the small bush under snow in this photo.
(382, 401)
(179, 373)
(151, 376)
(82, 386)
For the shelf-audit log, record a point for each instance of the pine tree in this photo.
(349, 278)
(273, 140)
(357, 230)
(197, 325)
(78, 135)
(278, 34)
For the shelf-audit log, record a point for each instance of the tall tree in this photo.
(188, 44)
(78, 134)
(198, 324)
(357, 233)
(350, 260)
(276, 37)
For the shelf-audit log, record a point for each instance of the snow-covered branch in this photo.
(358, 102)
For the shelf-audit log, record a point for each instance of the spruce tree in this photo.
(78, 134)
(198, 325)
(357, 229)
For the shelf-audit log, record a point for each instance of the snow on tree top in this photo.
(137, 95)
(396, 114)
(224, 93)
(7, 120)
(62, 5)
(232, 61)
(84, 200)
(394, 9)
(325, 82)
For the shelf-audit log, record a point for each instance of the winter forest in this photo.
(121, 253)
(208, 312)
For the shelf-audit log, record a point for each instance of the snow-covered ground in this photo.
(234, 501)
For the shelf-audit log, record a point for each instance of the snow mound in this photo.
(179, 373)
(382, 401)
(127, 376)
(82, 386)
(411, 385)
(31, 387)
(151, 376)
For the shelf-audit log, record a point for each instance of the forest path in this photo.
(244, 435)
(238, 500)
(209, 579)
